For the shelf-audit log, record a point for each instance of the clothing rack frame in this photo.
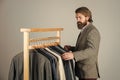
(27, 40)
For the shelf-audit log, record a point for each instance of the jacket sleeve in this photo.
(11, 75)
(92, 46)
(72, 48)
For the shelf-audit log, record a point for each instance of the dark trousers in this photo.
(87, 79)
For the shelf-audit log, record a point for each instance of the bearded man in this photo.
(85, 52)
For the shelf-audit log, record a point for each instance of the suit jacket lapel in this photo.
(78, 39)
(81, 35)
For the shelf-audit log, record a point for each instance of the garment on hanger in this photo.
(61, 68)
(53, 61)
(40, 67)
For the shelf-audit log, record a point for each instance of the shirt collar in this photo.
(84, 27)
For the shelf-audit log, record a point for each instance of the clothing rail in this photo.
(27, 46)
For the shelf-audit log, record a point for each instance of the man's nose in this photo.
(78, 19)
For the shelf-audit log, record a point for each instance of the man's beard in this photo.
(81, 25)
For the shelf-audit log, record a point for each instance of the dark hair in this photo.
(85, 11)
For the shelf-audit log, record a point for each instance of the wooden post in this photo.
(26, 56)
(58, 35)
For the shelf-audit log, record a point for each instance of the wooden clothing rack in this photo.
(27, 46)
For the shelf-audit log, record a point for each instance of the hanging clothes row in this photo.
(45, 64)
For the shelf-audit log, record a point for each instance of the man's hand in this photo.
(67, 56)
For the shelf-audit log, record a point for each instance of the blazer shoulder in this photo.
(92, 28)
(17, 56)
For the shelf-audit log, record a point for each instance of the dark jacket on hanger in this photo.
(68, 65)
(53, 62)
(39, 65)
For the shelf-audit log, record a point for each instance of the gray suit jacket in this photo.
(40, 67)
(86, 53)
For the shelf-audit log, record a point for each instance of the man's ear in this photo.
(87, 18)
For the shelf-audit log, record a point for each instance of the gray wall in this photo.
(15, 14)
